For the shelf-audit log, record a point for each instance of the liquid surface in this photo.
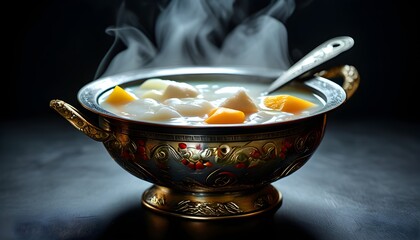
(184, 106)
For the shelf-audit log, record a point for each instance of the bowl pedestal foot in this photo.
(210, 205)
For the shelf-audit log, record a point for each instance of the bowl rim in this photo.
(332, 93)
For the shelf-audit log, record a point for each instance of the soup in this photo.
(199, 102)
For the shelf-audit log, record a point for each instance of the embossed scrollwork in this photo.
(75, 118)
(208, 209)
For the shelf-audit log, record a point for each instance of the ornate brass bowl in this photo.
(210, 172)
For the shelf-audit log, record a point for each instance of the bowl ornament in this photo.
(210, 172)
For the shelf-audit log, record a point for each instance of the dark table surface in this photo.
(363, 182)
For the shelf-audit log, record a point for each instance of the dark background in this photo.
(55, 47)
(56, 183)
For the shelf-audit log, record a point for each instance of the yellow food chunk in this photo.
(119, 96)
(222, 115)
(287, 103)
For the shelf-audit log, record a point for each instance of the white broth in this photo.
(189, 103)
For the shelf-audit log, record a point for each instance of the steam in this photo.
(201, 33)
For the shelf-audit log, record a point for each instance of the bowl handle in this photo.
(350, 75)
(72, 115)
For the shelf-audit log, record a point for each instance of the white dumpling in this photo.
(190, 107)
(138, 108)
(240, 101)
(155, 84)
(179, 90)
(164, 114)
(149, 110)
(161, 89)
(153, 94)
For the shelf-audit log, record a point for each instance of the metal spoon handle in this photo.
(319, 55)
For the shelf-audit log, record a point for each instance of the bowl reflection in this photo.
(137, 222)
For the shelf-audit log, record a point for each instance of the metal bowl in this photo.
(210, 172)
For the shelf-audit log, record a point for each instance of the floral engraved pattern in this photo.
(218, 165)
(123, 145)
(208, 209)
(221, 178)
(307, 142)
(128, 149)
(251, 156)
(263, 201)
(77, 120)
(161, 154)
(157, 200)
(195, 157)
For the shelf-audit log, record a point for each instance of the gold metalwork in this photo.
(350, 75)
(212, 205)
(75, 118)
(211, 176)
(208, 208)
(205, 180)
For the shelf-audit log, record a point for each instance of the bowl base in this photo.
(210, 205)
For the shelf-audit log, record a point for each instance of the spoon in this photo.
(319, 55)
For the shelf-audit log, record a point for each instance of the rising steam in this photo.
(201, 33)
